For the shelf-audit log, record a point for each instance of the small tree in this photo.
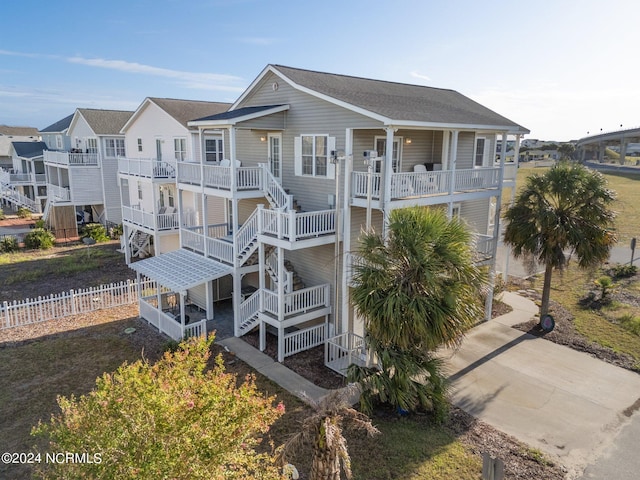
(174, 419)
(417, 289)
(565, 209)
(9, 244)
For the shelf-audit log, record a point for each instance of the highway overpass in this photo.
(593, 147)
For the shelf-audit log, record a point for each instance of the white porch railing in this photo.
(58, 194)
(510, 171)
(71, 159)
(420, 184)
(294, 226)
(248, 315)
(485, 245)
(192, 240)
(147, 167)
(9, 193)
(477, 178)
(219, 250)
(150, 220)
(343, 350)
(305, 339)
(189, 173)
(167, 324)
(298, 301)
(278, 197)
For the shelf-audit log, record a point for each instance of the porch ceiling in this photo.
(181, 269)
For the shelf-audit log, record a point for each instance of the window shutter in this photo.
(297, 156)
(331, 167)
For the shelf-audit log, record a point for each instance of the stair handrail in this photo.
(248, 232)
(274, 190)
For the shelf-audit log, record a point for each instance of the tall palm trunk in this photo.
(325, 464)
(546, 290)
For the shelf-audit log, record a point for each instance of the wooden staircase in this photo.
(140, 244)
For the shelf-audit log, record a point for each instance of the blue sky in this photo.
(561, 68)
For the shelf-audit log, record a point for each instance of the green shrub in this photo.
(116, 231)
(623, 270)
(177, 418)
(39, 238)
(40, 223)
(630, 323)
(606, 284)
(9, 244)
(95, 231)
(24, 212)
(2, 216)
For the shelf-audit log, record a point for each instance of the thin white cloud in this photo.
(420, 76)
(209, 81)
(190, 80)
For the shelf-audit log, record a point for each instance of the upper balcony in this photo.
(249, 181)
(27, 178)
(71, 159)
(409, 186)
(147, 168)
(164, 220)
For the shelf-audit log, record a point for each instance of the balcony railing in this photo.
(422, 184)
(58, 194)
(150, 220)
(71, 159)
(294, 226)
(147, 168)
(216, 176)
(343, 350)
(207, 246)
(299, 301)
(27, 178)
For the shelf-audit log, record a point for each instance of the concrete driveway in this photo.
(563, 402)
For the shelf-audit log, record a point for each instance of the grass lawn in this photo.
(36, 371)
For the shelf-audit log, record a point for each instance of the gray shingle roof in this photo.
(240, 112)
(59, 126)
(18, 131)
(185, 110)
(29, 149)
(398, 101)
(105, 122)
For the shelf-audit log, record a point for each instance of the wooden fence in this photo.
(73, 302)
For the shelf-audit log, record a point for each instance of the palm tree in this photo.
(417, 289)
(323, 430)
(564, 209)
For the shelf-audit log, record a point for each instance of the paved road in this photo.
(620, 460)
(563, 402)
(612, 168)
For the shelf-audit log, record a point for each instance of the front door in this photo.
(275, 155)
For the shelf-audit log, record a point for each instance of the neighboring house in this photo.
(309, 160)
(82, 179)
(56, 135)
(28, 176)
(156, 138)
(8, 135)
(539, 155)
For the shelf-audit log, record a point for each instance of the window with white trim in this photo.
(481, 153)
(139, 191)
(59, 145)
(180, 149)
(92, 145)
(139, 144)
(213, 149)
(114, 147)
(313, 154)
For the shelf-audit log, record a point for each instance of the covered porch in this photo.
(168, 306)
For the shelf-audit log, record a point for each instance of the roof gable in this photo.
(390, 102)
(60, 126)
(182, 111)
(102, 122)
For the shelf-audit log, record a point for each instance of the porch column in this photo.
(507, 248)
(387, 172)
(446, 138)
(181, 221)
(232, 153)
(281, 304)
(205, 230)
(346, 234)
(154, 205)
(452, 168)
(208, 289)
(236, 299)
(127, 245)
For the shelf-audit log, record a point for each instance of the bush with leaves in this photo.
(9, 244)
(173, 419)
(623, 271)
(39, 238)
(2, 215)
(24, 212)
(95, 231)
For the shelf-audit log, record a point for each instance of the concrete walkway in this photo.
(563, 402)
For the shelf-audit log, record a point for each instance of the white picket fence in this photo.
(73, 302)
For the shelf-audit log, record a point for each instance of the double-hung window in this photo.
(213, 149)
(92, 145)
(114, 147)
(312, 155)
(139, 144)
(482, 152)
(180, 149)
